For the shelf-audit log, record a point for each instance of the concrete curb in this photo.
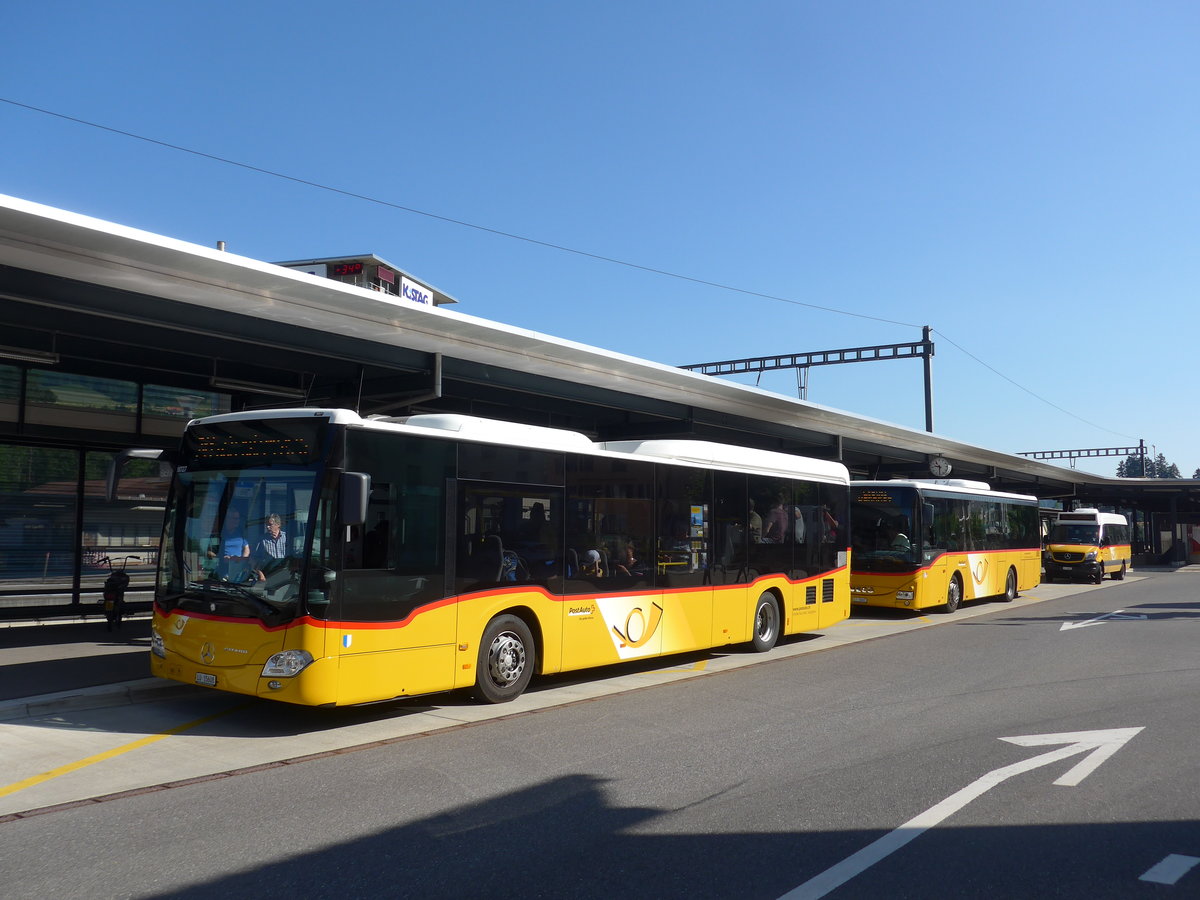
(143, 690)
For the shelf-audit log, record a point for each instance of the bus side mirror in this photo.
(355, 492)
(112, 480)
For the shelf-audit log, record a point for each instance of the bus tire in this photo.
(1119, 575)
(506, 660)
(954, 595)
(1100, 574)
(766, 623)
(1010, 587)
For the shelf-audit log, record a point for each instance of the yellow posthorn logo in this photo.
(637, 630)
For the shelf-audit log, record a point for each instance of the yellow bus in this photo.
(1087, 544)
(319, 558)
(920, 544)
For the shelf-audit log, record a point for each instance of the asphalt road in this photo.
(940, 748)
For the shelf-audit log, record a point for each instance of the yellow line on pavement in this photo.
(109, 754)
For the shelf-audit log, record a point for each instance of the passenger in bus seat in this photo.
(776, 524)
(591, 566)
(755, 524)
(627, 562)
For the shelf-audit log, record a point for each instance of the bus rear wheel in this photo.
(766, 623)
(506, 660)
(1119, 575)
(954, 594)
(1010, 587)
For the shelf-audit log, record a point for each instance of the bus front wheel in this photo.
(766, 623)
(954, 595)
(506, 660)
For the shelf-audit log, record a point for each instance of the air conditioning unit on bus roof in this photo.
(501, 432)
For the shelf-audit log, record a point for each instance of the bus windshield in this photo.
(881, 523)
(1074, 534)
(237, 530)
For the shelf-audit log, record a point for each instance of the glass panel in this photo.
(611, 524)
(80, 401)
(397, 561)
(126, 531)
(166, 410)
(770, 511)
(882, 520)
(37, 519)
(10, 393)
(684, 526)
(734, 527)
(488, 462)
(509, 534)
(235, 542)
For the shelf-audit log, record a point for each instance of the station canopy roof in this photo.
(119, 302)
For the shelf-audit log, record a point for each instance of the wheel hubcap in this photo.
(506, 658)
(766, 622)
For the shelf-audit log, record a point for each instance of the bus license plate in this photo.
(205, 678)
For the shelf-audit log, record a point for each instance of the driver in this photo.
(273, 544)
(273, 567)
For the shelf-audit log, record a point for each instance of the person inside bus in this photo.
(590, 564)
(896, 539)
(626, 562)
(776, 524)
(273, 544)
(232, 545)
(755, 525)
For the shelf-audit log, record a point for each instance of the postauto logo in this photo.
(631, 622)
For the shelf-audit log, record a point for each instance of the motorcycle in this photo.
(115, 586)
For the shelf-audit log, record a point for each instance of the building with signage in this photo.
(371, 272)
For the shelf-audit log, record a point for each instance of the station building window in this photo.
(10, 393)
(166, 410)
(56, 524)
(130, 525)
(38, 496)
(80, 401)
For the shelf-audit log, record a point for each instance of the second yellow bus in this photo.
(935, 544)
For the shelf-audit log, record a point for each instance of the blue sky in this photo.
(1020, 176)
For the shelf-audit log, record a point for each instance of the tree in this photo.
(1158, 467)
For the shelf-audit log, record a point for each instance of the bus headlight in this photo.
(156, 645)
(287, 664)
(904, 595)
(1090, 556)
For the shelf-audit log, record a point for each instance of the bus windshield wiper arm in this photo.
(257, 603)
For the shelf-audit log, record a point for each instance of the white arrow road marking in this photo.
(1099, 745)
(1115, 614)
(1170, 870)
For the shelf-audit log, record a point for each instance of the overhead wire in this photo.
(537, 242)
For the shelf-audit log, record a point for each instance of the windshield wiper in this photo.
(256, 603)
(230, 590)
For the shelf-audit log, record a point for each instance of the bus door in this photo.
(613, 608)
(944, 545)
(508, 552)
(394, 632)
(683, 548)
